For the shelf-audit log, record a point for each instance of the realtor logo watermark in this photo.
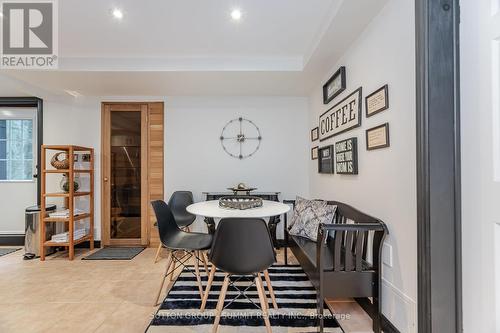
(29, 34)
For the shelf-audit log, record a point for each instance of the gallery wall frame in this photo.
(314, 153)
(326, 160)
(346, 156)
(315, 134)
(377, 101)
(342, 117)
(334, 86)
(377, 137)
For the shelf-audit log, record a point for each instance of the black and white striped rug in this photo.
(295, 296)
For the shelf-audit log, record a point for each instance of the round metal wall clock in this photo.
(240, 138)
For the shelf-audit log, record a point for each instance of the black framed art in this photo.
(342, 117)
(314, 153)
(325, 160)
(377, 137)
(346, 156)
(334, 86)
(377, 101)
(315, 134)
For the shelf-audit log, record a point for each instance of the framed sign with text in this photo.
(377, 137)
(342, 117)
(346, 156)
(377, 101)
(325, 159)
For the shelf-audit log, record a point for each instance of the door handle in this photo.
(105, 179)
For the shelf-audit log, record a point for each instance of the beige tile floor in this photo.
(96, 296)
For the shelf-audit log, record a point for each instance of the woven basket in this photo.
(58, 163)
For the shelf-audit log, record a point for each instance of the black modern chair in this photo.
(241, 247)
(178, 203)
(174, 239)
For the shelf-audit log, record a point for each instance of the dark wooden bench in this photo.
(346, 259)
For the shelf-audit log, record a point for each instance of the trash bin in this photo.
(32, 231)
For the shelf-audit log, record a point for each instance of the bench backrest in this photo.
(358, 244)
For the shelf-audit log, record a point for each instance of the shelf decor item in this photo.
(346, 156)
(334, 86)
(240, 202)
(377, 101)
(325, 160)
(64, 184)
(342, 117)
(60, 160)
(377, 137)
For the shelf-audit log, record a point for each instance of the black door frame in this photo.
(438, 166)
(35, 102)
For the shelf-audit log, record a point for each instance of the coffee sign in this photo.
(342, 117)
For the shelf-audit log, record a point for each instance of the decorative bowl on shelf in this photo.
(60, 160)
(240, 202)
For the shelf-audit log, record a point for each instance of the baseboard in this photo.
(12, 239)
(86, 245)
(385, 323)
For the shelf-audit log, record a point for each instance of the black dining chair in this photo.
(178, 203)
(241, 247)
(192, 244)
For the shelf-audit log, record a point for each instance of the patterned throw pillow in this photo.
(307, 216)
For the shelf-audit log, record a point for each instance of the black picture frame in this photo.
(385, 88)
(339, 73)
(351, 145)
(326, 160)
(358, 91)
(315, 134)
(314, 150)
(387, 140)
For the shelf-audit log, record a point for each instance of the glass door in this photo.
(125, 174)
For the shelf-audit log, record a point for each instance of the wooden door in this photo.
(151, 176)
(124, 176)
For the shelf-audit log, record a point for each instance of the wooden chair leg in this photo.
(158, 252)
(263, 302)
(169, 261)
(173, 269)
(270, 288)
(205, 261)
(207, 288)
(220, 303)
(197, 270)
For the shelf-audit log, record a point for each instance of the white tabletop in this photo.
(211, 209)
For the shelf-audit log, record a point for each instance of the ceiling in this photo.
(192, 47)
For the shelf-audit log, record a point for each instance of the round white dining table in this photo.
(211, 209)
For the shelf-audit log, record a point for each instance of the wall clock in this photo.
(240, 138)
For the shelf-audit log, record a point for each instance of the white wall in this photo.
(386, 184)
(480, 148)
(194, 159)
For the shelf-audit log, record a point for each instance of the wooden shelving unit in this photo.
(69, 199)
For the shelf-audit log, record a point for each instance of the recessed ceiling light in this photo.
(118, 14)
(236, 14)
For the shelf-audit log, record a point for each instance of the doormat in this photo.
(115, 253)
(4, 251)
